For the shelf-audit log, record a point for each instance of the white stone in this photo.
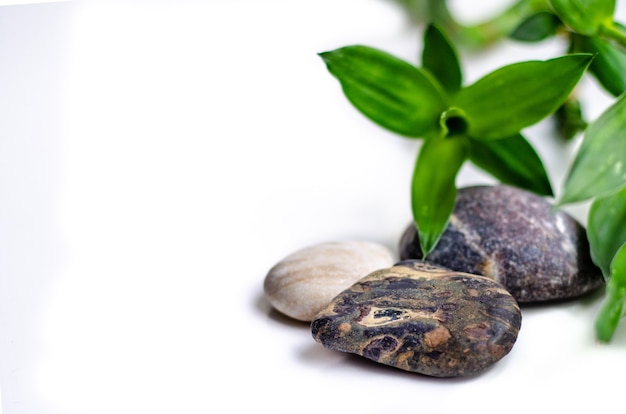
(305, 282)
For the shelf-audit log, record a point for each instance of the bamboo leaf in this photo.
(606, 228)
(433, 186)
(388, 90)
(537, 27)
(614, 305)
(609, 66)
(585, 17)
(600, 164)
(441, 60)
(512, 161)
(569, 118)
(511, 98)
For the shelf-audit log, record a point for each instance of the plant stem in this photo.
(474, 37)
(488, 32)
(615, 32)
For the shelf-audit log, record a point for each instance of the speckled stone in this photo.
(512, 236)
(304, 282)
(422, 318)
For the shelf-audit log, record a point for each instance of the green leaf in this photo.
(609, 66)
(511, 98)
(585, 17)
(569, 118)
(606, 228)
(433, 187)
(440, 59)
(600, 164)
(537, 27)
(615, 300)
(388, 90)
(512, 161)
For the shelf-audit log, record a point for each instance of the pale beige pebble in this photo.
(304, 282)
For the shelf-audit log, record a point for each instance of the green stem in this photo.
(477, 36)
(614, 32)
(490, 31)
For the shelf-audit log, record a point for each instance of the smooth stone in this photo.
(305, 282)
(422, 318)
(514, 237)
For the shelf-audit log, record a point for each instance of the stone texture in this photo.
(513, 237)
(304, 282)
(422, 318)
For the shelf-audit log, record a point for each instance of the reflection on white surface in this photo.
(159, 157)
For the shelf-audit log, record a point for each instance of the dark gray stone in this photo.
(422, 318)
(514, 237)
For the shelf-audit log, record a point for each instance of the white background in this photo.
(158, 157)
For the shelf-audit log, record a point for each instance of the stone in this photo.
(514, 237)
(303, 283)
(422, 318)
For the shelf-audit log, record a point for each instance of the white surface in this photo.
(157, 158)
(23, 2)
